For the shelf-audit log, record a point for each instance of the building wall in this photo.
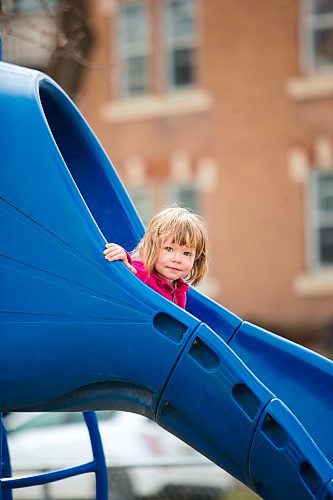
(249, 137)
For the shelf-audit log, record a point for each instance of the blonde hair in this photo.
(182, 227)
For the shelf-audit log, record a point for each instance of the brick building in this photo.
(227, 107)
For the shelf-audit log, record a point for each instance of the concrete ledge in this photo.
(154, 106)
(317, 86)
(315, 284)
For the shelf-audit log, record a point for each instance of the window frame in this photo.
(170, 44)
(176, 188)
(127, 51)
(317, 220)
(310, 23)
(159, 77)
(31, 7)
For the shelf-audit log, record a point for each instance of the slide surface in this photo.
(78, 333)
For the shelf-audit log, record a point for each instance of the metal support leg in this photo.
(97, 465)
(6, 470)
(98, 455)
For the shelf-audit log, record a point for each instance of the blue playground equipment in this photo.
(81, 334)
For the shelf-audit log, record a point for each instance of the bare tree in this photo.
(68, 38)
(74, 44)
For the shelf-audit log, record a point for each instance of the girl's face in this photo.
(174, 261)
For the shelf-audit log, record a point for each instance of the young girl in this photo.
(171, 255)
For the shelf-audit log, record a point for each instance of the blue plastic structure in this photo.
(96, 466)
(78, 333)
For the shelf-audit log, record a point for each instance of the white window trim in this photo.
(315, 86)
(318, 279)
(164, 102)
(315, 219)
(314, 284)
(308, 23)
(314, 83)
(158, 106)
(168, 43)
(123, 54)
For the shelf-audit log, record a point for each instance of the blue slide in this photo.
(78, 333)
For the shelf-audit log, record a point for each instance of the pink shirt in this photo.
(160, 285)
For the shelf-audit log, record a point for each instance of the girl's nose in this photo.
(177, 256)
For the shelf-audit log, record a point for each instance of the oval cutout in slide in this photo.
(169, 327)
(246, 399)
(274, 432)
(311, 478)
(204, 355)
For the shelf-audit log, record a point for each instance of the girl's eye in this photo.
(168, 249)
(187, 254)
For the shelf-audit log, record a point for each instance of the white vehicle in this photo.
(143, 459)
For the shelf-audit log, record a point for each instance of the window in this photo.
(321, 219)
(318, 44)
(167, 64)
(186, 196)
(133, 48)
(180, 42)
(142, 198)
(29, 7)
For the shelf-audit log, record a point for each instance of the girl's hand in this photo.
(114, 252)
